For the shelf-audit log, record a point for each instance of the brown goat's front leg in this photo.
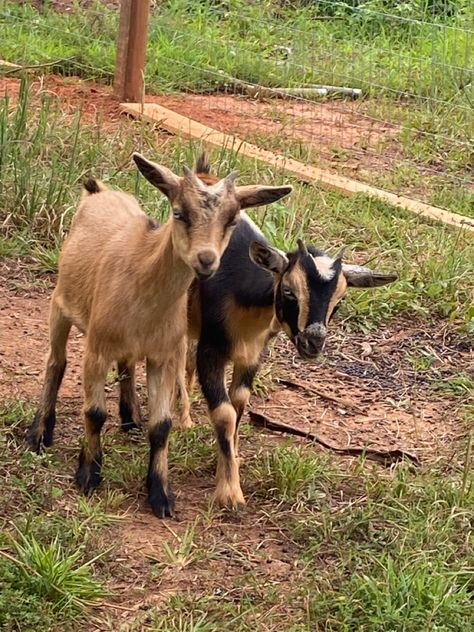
(211, 370)
(42, 428)
(239, 391)
(129, 406)
(88, 473)
(161, 379)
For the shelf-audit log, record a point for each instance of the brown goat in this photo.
(124, 281)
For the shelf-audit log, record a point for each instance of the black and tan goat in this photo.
(124, 282)
(257, 291)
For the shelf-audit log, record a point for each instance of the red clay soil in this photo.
(94, 100)
(366, 393)
(334, 130)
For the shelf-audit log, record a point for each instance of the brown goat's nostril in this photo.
(206, 259)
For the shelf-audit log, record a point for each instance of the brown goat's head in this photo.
(204, 215)
(309, 286)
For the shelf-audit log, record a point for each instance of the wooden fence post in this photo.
(131, 50)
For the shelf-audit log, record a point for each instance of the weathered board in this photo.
(188, 128)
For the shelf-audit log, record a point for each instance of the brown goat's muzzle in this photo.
(207, 263)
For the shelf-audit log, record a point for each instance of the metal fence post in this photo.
(131, 50)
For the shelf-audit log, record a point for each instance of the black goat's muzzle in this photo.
(310, 342)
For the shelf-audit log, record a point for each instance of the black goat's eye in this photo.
(336, 308)
(288, 293)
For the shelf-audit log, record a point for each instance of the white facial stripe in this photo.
(250, 221)
(324, 267)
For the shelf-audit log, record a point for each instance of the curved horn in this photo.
(340, 254)
(231, 178)
(225, 183)
(359, 276)
(190, 176)
(302, 248)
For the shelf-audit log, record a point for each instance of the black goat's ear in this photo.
(268, 258)
(359, 276)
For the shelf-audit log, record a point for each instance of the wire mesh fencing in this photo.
(380, 91)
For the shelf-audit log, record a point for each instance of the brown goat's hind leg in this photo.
(161, 387)
(239, 392)
(88, 473)
(129, 406)
(185, 381)
(42, 428)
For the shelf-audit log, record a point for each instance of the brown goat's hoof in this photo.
(88, 474)
(162, 505)
(183, 423)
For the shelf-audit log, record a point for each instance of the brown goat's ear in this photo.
(160, 177)
(258, 195)
(358, 276)
(268, 258)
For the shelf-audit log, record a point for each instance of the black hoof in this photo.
(33, 441)
(131, 427)
(35, 438)
(162, 504)
(127, 423)
(88, 474)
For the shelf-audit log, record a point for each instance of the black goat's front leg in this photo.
(240, 389)
(211, 364)
(161, 377)
(129, 406)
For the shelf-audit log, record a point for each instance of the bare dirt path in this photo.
(366, 392)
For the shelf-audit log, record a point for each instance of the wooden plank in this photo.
(8, 64)
(188, 128)
(131, 50)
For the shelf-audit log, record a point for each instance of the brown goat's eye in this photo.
(181, 217)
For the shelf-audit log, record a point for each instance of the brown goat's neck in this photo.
(163, 272)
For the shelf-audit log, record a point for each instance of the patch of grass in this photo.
(459, 385)
(51, 561)
(388, 551)
(50, 572)
(287, 474)
(398, 594)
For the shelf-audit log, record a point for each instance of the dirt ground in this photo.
(364, 394)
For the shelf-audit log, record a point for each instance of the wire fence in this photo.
(380, 91)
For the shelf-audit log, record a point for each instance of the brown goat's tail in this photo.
(202, 164)
(91, 185)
